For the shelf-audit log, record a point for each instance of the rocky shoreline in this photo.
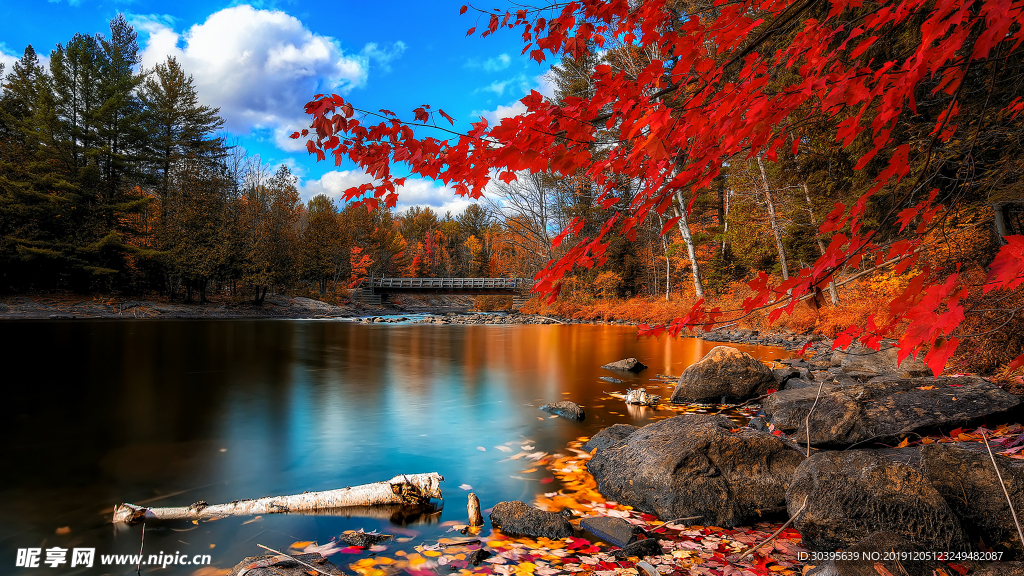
(862, 454)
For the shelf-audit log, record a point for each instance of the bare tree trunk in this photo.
(1000, 223)
(668, 264)
(404, 489)
(821, 245)
(725, 221)
(774, 220)
(684, 229)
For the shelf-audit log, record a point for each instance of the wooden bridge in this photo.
(376, 290)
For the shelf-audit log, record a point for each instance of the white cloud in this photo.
(7, 58)
(541, 84)
(495, 64)
(416, 191)
(260, 66)
(383, 56)
(499, 63)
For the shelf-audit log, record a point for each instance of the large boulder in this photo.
(610, 436)
(880, 548)
(566, 409)
(965, 478)
(628, 365)
(697, 465)
(851, 494)
(863, 362)
(724, 372)
(519, 519)
(886, 408)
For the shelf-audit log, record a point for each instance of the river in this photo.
(166, 413)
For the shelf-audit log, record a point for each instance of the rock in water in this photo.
(696, 465)
(863, 362)
(610, 379)
(519, 519)
(851, 494)
(610, 436)
(628, 365)
(885, 408)
(565, 409)
(363, 539)
(880, 543)
(272, 566)
(965, 478)
(724, 372)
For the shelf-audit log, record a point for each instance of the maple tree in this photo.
(731, 80)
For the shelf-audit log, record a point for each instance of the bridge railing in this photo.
(450, 283)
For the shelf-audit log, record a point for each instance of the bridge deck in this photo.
(448, 285)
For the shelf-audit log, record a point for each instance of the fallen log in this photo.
(406, 489)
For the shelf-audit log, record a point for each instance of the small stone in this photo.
(612, 530)
(477, 556)
(627, 365)
(566, 409)
(640, 549)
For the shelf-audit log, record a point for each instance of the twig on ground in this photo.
(310, 566)
(777, 532)
(807, 421)
(1020, 533)
(682, 519)
(751, 401)
(138, 567)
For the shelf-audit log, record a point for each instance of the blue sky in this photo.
(260, 62)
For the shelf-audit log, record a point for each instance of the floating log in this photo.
(406, 489)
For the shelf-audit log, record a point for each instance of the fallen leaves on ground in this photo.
(705, 550)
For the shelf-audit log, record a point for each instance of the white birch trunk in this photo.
(833, 294)
(404, 489)
(774, 220)
(684, 229)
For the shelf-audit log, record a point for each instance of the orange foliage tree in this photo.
(749, 79)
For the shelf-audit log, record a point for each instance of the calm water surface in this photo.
(170, 412)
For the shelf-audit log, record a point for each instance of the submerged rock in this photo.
(519, 519)
(565, 409)
(851, 494)
(696, 465)
(724, 372)
(965, 478)
(628, 365)
(884, 408)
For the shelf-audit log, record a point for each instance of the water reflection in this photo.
(167, 413)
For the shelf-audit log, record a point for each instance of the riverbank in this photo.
(437, 310)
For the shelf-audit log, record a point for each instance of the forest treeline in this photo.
(116, 178)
